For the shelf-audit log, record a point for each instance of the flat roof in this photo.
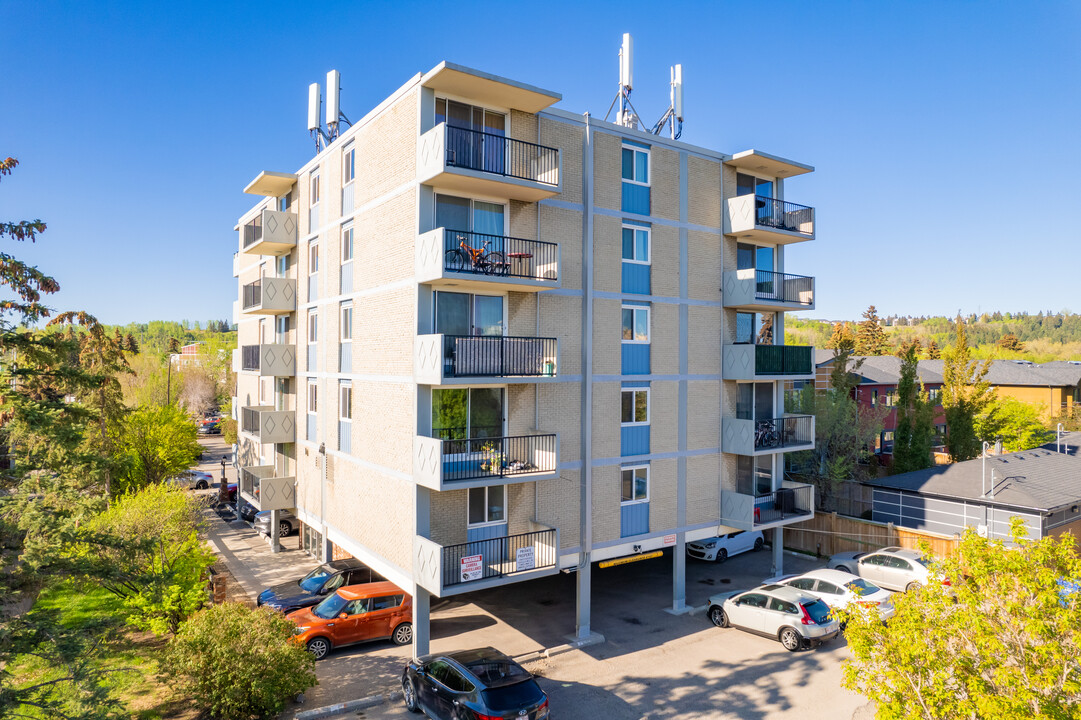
(758, 161)
(489, 89)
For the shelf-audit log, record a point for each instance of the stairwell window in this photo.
(635, 165)
(636, 244)
(487, 506)
(346, 324)
(634, 406)
(313, 326)
(314, 189)
(634, 485)
(345, 400)
(349, 164)
(636, 324)
(347, 243)
(313, 408)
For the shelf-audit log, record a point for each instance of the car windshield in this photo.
(859, 586)
(518, 696)
(315, 579)
(819, 611)
(331, 607)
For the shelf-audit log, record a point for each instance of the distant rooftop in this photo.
(886, 370)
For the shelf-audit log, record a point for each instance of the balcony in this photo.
(268, 425)
(466, 359)
(767, 362)
(792, 503)
(497, 263)
(451, 464)
(790, 433)
(471, 161)
(270, 233)
(451, 569)
(269, 359)
(765, 291)
(765, 219)
(265, 490)
(270, 296)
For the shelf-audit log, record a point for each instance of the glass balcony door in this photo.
(483, 149)
(468, 314)
(755, 401)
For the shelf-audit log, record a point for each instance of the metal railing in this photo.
(253, 295)
(781, 287)
(783, 360)
(498, 356)
(782, 432)
(498, 557)
(249, 482)
(249, 420)
(783, 503)
(253, 231)
(501, 155)
(466, 251)
(492, 457)
(770, 212)
(249, 357)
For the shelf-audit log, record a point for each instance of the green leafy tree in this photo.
(1002, 641)
(1016, 423)
(239, 664)
(870, 336)
(155, 443)
(914, 432)
(966, 396)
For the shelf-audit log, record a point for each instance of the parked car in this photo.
(723, 547)
(245, 510)
(192, 479)
(230, 491)
(316, 585)
(355, 614)
(211, 428)
(481, 683)
(840, 589)
(287, 522)
(892, 567)
(796, 618)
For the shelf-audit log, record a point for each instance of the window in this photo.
(888, 401)
(349, 164)
(635, 324)
(313, 258)
(753, 600)
(487, 506)
(933, 396)
(281, 266)
(754, 475)
(751, 185)
(313, 326)
(466, 215)
(345, 401)
(874, 398)
(358, 607)
(347, 243)
(636, 245)
(346, 324)
(802, 584)
(782, 606)
(634, 485)
(314, 185)
(469, 117)
(898, 563)
(386, 602)
(281, 329)
(283, 203)
(313, 397)
(635, 406)
(636, 165)
(829, 588)
(754, 328)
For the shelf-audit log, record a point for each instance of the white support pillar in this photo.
(778, 550)
(421, 621)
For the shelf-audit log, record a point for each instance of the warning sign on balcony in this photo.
(525, 559)
(472, 567)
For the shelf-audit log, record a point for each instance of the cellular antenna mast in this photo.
(335, 116)
(315, 101)
(673, 116)
(627, 115)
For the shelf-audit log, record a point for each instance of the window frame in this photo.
(649, 317)
(345, 307)
(634, 423)
(345, 405)
(313, 258)
(633, 470)
(313, 326)
(312, 404)
(314, 189)
(634, 245)
(649, 164)
(349, 152)
(347, 231)
(486, 522)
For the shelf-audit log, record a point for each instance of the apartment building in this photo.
(484, 340)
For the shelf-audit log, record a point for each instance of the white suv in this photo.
(795, 618)
(723, 547)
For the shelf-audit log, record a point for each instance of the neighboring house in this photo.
(481, 341)
(189, 356)
(1040, 486)
(1055, 386)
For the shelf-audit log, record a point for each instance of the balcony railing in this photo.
(783, 360)
(249, 357)
(786, 503)
(249, 420)
(498, 557)
(495, 457)
(781, 215)
(782, 432)
(253, 295)
(501, 155)
(253, 231)
(498, 356)
(481, 253)
(781, 287)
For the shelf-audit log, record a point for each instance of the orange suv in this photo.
(355, 614)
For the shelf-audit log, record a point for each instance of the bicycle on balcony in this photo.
(466, 258)
(766, 434)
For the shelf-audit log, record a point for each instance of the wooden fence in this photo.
(830, 533)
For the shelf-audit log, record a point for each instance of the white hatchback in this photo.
(723, 547)
(840, 589)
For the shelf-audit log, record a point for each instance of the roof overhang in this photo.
(760, 162)
(488, 89)
(271, 184)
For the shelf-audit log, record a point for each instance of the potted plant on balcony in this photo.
(491, 457)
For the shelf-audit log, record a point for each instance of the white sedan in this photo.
(723, 547)
(840, 589)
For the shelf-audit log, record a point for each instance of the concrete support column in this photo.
(326, 548)
(583, 591)
(679, 574)
(421, 621)
(778, 551)
(275, 546)
(582, 630)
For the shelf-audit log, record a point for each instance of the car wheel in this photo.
(284, 528)
(722, 555)
(758, 544)
(202, 485)
(843, 568)
(409, 694)
(911, 586)
(791, 639)
(319, 647)
(718, 616)
(403, 634)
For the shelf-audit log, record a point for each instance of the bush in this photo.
(237, 663)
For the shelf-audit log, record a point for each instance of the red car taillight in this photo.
(806, 619)
(946, 581)
(868, 603)
(482, 716)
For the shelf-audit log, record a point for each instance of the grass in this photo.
(133, 656)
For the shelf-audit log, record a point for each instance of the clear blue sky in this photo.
(945, 134)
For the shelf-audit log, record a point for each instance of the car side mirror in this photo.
(343, 616)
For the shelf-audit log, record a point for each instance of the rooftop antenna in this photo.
(1058, 438)
(673, 116)
(315, 100)
(334, 112)
(627, 115)
(983, 469)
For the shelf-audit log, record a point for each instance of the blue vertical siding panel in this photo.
(636, 198)
(345, 357)
(634, 519)
(635, 359)
(312, 426)
(345, 436)
(636, 278)
(347, 278)
(486, 532)
(494, 553)
(312, 357)
(634, 440)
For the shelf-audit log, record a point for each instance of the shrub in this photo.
(237, 663)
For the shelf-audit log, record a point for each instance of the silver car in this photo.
(795, 618)
(287, 522)
(840, 589)
(892, 567)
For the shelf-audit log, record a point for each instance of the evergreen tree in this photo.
(914, 433)
(842, 336)
(965, 396)
(870, 337)
(933, 353)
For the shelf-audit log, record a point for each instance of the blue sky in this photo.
(944, 135)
